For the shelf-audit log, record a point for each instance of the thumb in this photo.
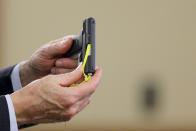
(59, 47)
(72, 77)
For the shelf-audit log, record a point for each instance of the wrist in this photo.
(20, 106)
(28, 73)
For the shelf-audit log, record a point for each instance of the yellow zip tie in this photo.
(86, 76)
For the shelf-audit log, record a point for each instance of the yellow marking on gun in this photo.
(87, 77)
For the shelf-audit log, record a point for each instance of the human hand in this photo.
(50, 99)
(48, 59)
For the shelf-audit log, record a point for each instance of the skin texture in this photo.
(46, 77)
(51, 99)
(48, 60)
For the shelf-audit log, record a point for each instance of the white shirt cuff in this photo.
(15, 78)
(13, 122)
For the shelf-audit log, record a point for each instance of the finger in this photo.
(75, 57)
(80, 80)
(56, 70)
(66, 63)
(80, 105)
(70, 78)
(59, 47)
(83, 105)
(57, 40)
(87, 88)
(62, 38)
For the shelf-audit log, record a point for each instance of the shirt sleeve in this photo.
(15, 78)
(13, 122)
(16, 84)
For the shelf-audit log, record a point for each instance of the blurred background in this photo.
(146, 48)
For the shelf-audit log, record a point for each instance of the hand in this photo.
(48, 59)
(50, 99)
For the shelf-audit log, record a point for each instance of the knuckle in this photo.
(44, 48)
(71, 101)
(48, 78)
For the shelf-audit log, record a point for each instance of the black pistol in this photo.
(80, 44)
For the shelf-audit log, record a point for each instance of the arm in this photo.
(50, 99)
(51, 93)
(4, 114)
(7, 114)
(9, 82)
(46, 60)
(5, 81)
(14, 77)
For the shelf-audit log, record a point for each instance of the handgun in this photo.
(83, 44)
